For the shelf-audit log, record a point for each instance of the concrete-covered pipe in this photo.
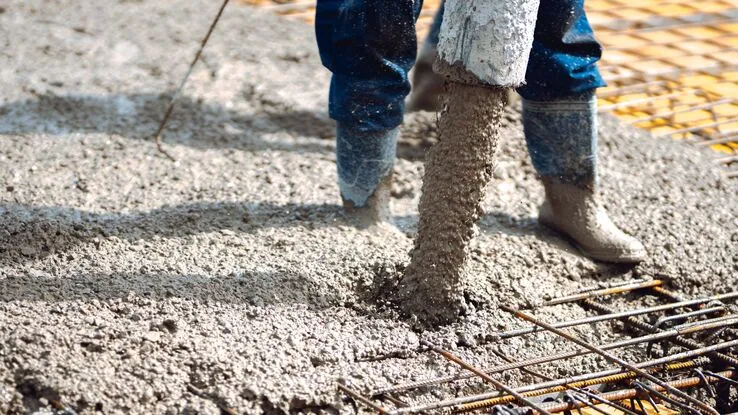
(487, 40)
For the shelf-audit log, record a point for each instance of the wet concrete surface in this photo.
(231, 278)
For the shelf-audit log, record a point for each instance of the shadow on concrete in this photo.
(38, 231)
(137, 116)
(248, 287)
(193, 122)
(35, 233)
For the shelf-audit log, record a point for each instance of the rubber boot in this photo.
(427, 85)
(457, 171)
(562, 142)
(365, 161)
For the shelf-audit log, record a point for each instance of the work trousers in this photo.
(371, 45)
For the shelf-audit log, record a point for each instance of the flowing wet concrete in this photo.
(458, 169)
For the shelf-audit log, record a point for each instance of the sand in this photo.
(231, 278)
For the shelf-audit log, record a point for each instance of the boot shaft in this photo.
(562, 138)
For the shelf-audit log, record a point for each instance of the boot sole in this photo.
(629, 258)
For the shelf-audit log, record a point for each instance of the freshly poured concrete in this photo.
(230, 278)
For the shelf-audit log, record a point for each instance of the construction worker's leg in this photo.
(427, 86)
(478, 75)
(560, 121)
(369, 46)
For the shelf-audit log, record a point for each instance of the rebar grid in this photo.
(635, 392)
(704, 318)
(694, 328)
(498, 385)
(482, 400)
(704, 408)
(538, 391)
(660, 56)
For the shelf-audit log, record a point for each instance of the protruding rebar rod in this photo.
(713, 322)
(669, 114)
(675, 26)
(725, 134)
(361, 398)
(634, 393)
(646, 100)
(178, 91)
(602, 285)
(667, 41)
(715, 141)
(726, 160)
(605, 291)
(397, 401)
(601, 380)
(496, 383)
(668, 59)
(672, 296)
(611, 358)
(615, 315)
(695, 128)
(649, 328)
(676, 331)
(685, 316)
(594, 378)
(674, 72)
(633, 88)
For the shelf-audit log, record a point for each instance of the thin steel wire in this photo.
(178, 91)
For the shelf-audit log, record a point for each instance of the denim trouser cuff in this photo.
(562, 137)
(363, 159)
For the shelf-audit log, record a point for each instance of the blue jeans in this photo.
(370, 46)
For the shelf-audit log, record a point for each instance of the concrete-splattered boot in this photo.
(365, 161)
(457, 170)
(427, 85)
(562, 142)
